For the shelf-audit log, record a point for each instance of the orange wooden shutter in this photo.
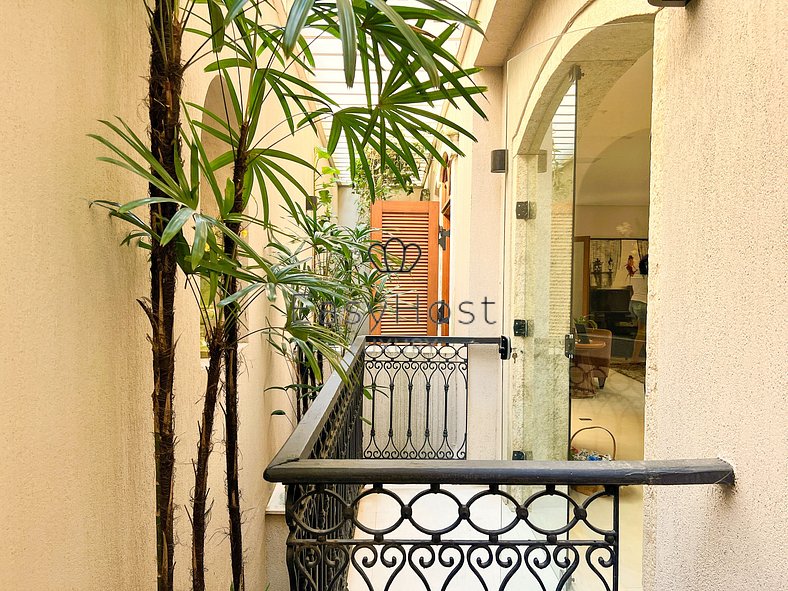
(413, 222)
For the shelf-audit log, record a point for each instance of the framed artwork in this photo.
(609, 258)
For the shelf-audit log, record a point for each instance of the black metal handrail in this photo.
(300, 444)
(325, 471)
(293, 464)
(618, 473)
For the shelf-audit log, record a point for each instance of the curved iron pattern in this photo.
(413, 550)
(417, 404)
(315, 512)
(331, 538)
(424, 545)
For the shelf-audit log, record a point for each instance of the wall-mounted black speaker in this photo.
(499, 161)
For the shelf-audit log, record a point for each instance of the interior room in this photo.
(611, 223)
(611, 238)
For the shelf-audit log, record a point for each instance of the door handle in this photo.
(505, 348)
(569, 345)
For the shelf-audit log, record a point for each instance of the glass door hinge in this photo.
(569, 345)
(525, 210)
(523, 328)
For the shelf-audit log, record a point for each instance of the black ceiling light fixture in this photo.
(669, 3)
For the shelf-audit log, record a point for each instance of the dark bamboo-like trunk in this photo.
(303, 392)
(307, 382)
(231, 450)
(164, 92)
(231, 319)
(200, 508)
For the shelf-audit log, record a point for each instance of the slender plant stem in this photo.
(201, 510)
(231, 318)
(164, 92)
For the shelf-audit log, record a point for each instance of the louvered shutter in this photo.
(413, 222)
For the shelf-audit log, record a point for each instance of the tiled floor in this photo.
(619, 408)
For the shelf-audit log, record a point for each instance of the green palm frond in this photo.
(375, 20)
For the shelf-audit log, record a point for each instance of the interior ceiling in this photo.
(614, 130)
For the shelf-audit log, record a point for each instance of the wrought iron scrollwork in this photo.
(413, 552)
(408, 399)
(434, 532)
(417, 404)
(311, 509)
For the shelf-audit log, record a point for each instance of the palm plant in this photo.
(262, 62)
(383, 36)
(342, 256)
(385, 183)
(166, 71)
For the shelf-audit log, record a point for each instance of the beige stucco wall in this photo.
(717, 383)
(74, 367)
(76, 478)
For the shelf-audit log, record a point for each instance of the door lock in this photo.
(505, 348)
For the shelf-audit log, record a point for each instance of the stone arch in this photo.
(214, 147)
(605, 51)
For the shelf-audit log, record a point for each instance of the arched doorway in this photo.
(578, 129)
(215, 105)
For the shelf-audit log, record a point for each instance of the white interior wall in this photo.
(611, 221)
(477, 218)
(347, 206)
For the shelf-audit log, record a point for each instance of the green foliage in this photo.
(394, 119)
(586, 321)
(386, 182)
(343, 290)
(316, 273)
(354, 22)
(388, 139)
(326, 178)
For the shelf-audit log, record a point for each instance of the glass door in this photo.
(542, 193)
(577, 201)
(541, 135)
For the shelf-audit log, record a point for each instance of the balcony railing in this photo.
(394, 434)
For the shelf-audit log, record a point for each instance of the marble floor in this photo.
(619, 408)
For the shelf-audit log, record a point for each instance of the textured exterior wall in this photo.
(76, 476)
(74, 504)
(717, 381)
